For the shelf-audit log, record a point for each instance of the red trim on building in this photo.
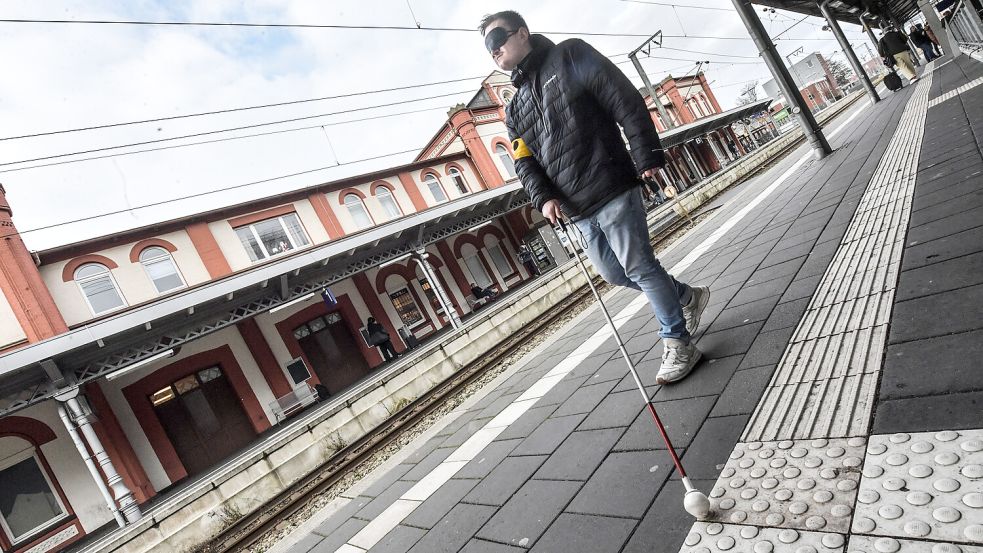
(138, 248)
(260, 349)
(208, 250)
(326, 215)
(479, 246)
(475, 148)
(413, 191)
(244, 220)
(118, 445)
(375, 186)
(32, 430)
(454, 265)
(138, 396)
(347, 191)
(68, 271)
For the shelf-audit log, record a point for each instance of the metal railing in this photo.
(965, 26)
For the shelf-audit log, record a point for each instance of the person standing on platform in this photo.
(526, 258)
(921, 40)
(570, 156)
(934, 39)
(893, 44)
(380, 338)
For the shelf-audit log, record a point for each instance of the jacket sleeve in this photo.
(620, 99)
(532, 175)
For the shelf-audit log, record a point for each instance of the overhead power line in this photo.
(672, 5)
(230, 129)
(241, 108)
(230, 187)
(351, 27)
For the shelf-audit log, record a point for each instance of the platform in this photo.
(840, 407)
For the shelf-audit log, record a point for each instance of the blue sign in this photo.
(328, 298)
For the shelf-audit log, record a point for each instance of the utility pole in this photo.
(796, 52)
(766, 48)
(851, 56)
(645, 48)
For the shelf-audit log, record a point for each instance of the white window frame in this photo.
(166, 256)
(509, 163)
(430, 177)
(351, 206)
(28, 453)
(262, 246)
(459, 181)
(384, 191)
(109, 274)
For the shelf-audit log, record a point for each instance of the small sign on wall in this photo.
(328, 297)
(298, 371)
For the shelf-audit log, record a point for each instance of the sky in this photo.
(59, 77)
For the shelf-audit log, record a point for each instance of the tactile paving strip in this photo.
(926, 485)
(810, 485)
(826, 382)
(866, 544)
(713, 536)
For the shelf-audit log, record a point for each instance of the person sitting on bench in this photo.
(480, 293)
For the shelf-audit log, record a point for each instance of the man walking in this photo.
(893, 44)
(570, 156)
(921, 40)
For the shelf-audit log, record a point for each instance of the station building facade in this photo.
(95, 423)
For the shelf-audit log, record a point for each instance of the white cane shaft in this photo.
(614, 329)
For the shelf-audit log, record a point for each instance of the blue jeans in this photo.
(618, 245)
(929, 50)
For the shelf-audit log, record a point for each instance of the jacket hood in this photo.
(540, 47)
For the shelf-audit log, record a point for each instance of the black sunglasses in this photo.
(497, 37)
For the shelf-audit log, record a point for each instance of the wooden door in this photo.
(204, 419)
(333, 352)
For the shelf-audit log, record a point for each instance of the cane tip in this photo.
(696, 504)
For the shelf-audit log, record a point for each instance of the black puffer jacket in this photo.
(563, 123)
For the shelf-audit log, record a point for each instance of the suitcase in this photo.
(892, 81)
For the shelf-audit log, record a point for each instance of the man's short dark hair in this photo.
(511, 18)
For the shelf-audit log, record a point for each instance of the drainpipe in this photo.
(83, 417)
(90, 464)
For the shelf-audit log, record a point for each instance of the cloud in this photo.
(65, 76)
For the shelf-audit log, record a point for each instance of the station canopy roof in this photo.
(698, 128)
(849, 11)
(35, 372)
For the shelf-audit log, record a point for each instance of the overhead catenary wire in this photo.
(231, 187)
(240, 108)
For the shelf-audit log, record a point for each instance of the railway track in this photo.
(249, 530)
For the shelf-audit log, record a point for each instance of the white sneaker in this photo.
(694, 309)
(678, 360)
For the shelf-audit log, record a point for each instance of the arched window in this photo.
(99, 288)
(357, 210)
(458, 178)
(436, 190)
(388, 203)
(506, 96)
(506, 157)
(161, 269)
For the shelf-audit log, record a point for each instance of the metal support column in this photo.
(722, 158)
(91, 465)
(851, 56)
(766, 48)
(697, 171)
(430, 273)
(870, 34)
(83, 418)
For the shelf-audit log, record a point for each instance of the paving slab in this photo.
(666, 523)
(682, 419)
(579, 455)
(507, 477)
(624, 485)
(454, 530)
(572, 533)
(743, 392)
(529, 512)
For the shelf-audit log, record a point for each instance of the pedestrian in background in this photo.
(894, 44)
(935, 40)
(379, 337)
(565, 122)
(921, 40)
(526, 258)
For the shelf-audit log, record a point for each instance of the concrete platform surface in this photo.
(839, 408)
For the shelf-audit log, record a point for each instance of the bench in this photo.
(293, 402)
